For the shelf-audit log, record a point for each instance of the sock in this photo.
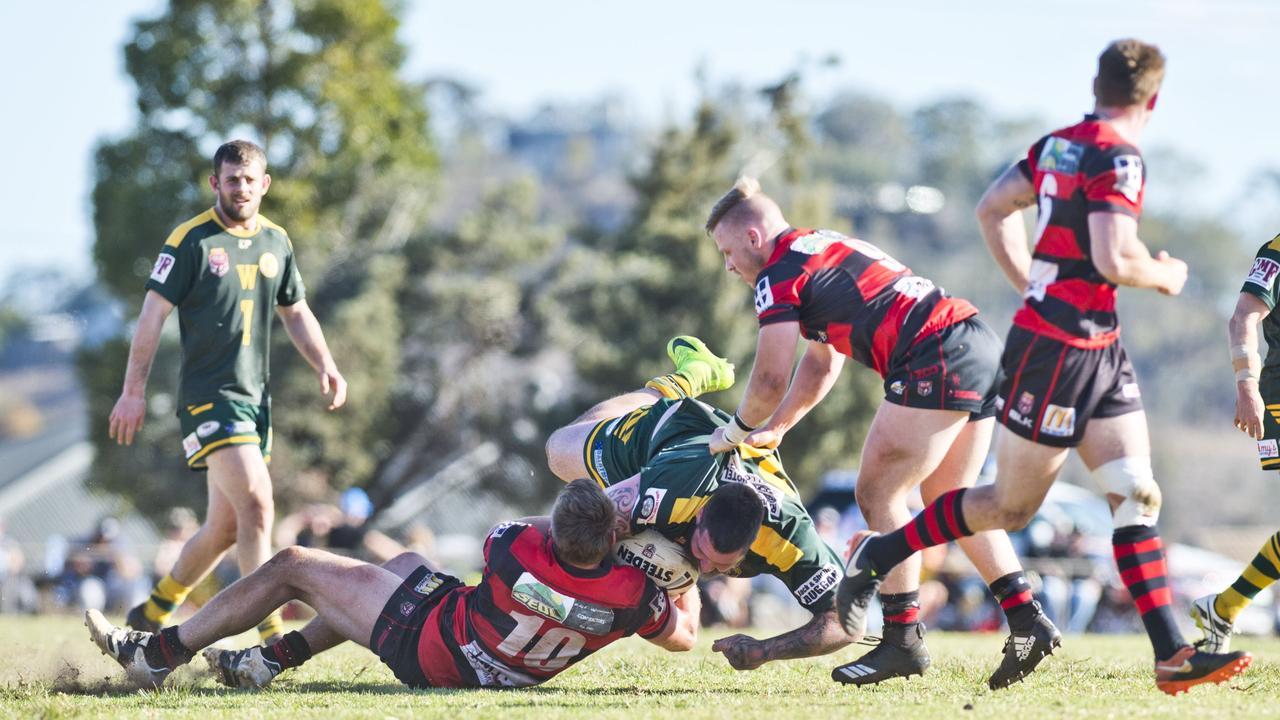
(291, 651)
(673, 386)
(165, 649)
(1014, 595)
(1259, 574)
(165, 598)
(939, 523)
(273, 625)
(901, 608)
(1140, 559)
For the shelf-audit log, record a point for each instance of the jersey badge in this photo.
(764, 295)
(1058, 421)
(191, 444)
(245, 243)
(1061, 156)
(1026, 403)
(815, 242)
(1268, 449)
(1129, 176)
(1263, 274)
(924, 388)
(219, 261)
(208, 428)
(897, 387)
(406, 608)
(649, 506)
(163, 266)
(269, 265)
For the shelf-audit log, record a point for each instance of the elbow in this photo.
(1115, 269)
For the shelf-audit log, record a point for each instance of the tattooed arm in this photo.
(1000, 219)
(821, 635)
(624, 495)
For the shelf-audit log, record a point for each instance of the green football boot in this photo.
(698, 370)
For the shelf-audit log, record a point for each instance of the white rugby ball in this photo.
(666, 563)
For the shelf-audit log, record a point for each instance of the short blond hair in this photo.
(581, 521)
(744, 189)
(1129, 73)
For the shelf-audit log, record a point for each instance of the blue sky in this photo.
(1219, 105)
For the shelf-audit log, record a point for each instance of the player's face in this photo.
(709, 559)
(740, 254)
(240, 189)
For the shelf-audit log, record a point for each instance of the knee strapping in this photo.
(1131, 478)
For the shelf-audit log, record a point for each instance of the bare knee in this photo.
(405, 563)
(221, 531)
(255, 511)
(1015, 516)
(291, 556)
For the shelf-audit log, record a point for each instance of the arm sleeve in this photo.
(291, 289)
(1114, 180)
(655, 610)
(672, 490)
(1027, 164)
(1264, 275)
(778, 293)
(175, 272)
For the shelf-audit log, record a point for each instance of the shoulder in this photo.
(194, 230)
(276, 229)
(1271, 248)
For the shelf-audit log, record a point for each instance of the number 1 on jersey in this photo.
(246, 310)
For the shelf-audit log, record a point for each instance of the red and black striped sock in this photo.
(1014, 595)
(940, 523)
(290, 651)
(1140, 559)
(165, 649)
(900, 608)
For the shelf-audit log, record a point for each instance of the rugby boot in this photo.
(1217, 631)
(901, 653)
(859, 585)
(1024, 649)
(703, 370)
(1190, 667)
(138, 620)
(247, 668)
(127, 647)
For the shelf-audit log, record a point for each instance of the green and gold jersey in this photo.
(1264, 282)
(226, 284)
(679, 480)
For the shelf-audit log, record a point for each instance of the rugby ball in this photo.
(666, 563)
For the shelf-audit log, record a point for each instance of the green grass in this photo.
(50, 669)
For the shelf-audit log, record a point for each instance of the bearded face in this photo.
(240, 189)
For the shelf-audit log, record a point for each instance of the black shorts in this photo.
(399, 627)
(1052, 389)
(956, 368)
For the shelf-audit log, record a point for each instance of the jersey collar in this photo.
(598, 571)
(235, 232)
(783, 242)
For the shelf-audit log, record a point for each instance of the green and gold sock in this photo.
(272, 627)
(166, 597)
(1259, 574)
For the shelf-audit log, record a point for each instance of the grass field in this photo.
(50, 669)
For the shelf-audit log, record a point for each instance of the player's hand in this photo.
(742, 651)
(717, 444)
(764, 438)
(1249, 409)
(126, 418)
(332, 380)
(1176, 273)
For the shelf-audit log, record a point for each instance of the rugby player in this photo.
(547, 599)
(225, 270)
(1068, 382)
(940, 366)
(1257, 399)
(648, 448)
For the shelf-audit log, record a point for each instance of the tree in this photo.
(316, 83)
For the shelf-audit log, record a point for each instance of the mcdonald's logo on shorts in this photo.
(1058, 421)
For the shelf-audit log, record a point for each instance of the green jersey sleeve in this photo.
(291, 289)
(673, 488)
(793, 552)
(176, 270)
(1263, 276)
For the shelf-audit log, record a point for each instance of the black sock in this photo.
(166, 650)
(1013, 592)
(290, 651)
(901, 608)
(1140, 559)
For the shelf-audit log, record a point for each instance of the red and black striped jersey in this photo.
(532, 616)
(1077, 170)
(850, 294)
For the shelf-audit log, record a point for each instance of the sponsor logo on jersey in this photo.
(1058, 421)
(406, 608)
(1042, 274)
(191, 444)
(924, 388)
(531, 593)
(735, 472)
(658, 604)
(641, 561)
(269, 265)
(1130, 391)
(208, 428)
(502, 529)
(913, 287)
(1263, 273)
(897, 387)
(1026, 403)
(164, 264)
(245, 243)
(490, 672)
(597, 463)
(1129, 176)
(818, 584)
(764, 295)
(816, 241)
(926, 372)
(1061, 156)
(428, 584)
(1268, 449)
(242, 426)
(649, 506)
(219, 262)
(966, 394)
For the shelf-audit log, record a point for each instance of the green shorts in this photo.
(618, 447)
(209, 426)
